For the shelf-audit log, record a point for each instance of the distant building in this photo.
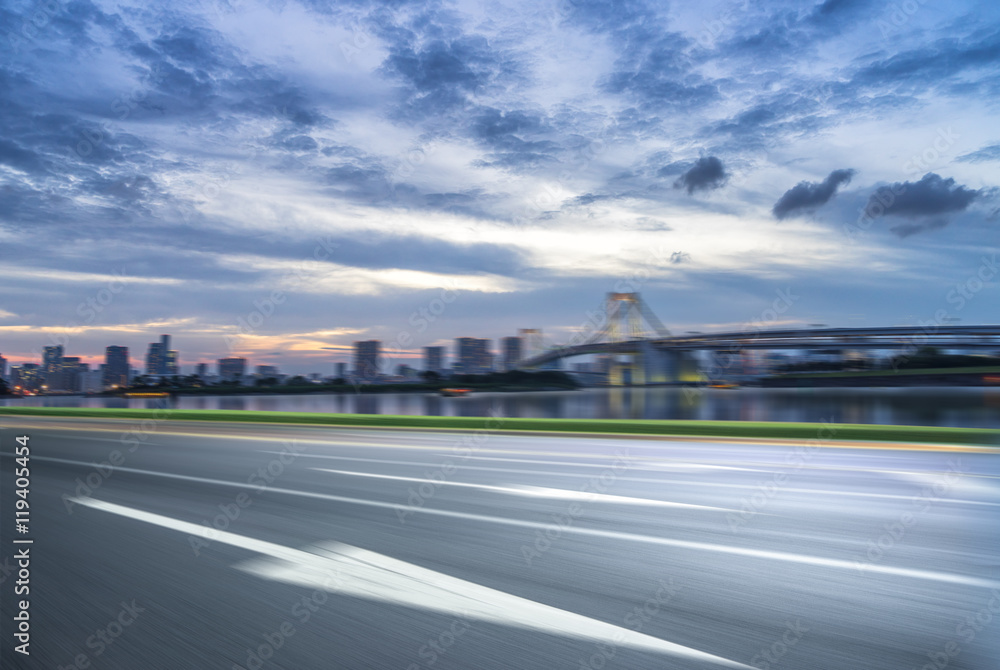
(171, 366)
(232, 368)
(52, 370)
(511, 347)
(201, 370)
(3, 368)
(434, 359)
(341, 370)
(472, 355)
(160, 359)
(26, 377)
(154, 358)
(366, 359)
(91, 381)
(266, 371)
(406, 372)
(72, 369)
(116, 367)
(52, 357)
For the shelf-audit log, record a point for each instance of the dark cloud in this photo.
(990, 153)
(771, 120)
(678, 257)
(590, 198)
(931, 65)
(809, 195)
(300, 143)
(905, 230)
(512, 137)
(19, 158)
(706, 174)
(653, 68)
(931, 196)
(441, 74)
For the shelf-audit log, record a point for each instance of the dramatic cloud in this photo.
(706, 174)
(808, 195)
(990, 153)
(931, 196)
(363, 157)
(905, 230)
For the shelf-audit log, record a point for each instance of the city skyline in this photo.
(279, 181)
(446, 358)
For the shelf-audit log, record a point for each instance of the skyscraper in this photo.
(3, 367)
(511, 352)
(201, 370)
(160, 359)
(341, 370)
(52, 357)
(72, 371)
(116, 366)
(434, 359)
(154, 358)
(232, 368)
(473, 355)
(366, 359)
(26, 377)
(52, 368)
(170, 365)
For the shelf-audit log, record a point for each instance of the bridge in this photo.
(629, 328)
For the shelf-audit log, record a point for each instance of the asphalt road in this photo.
(248, 546)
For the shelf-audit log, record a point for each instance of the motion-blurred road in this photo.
(194, 545)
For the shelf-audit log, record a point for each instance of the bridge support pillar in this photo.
(667, 367)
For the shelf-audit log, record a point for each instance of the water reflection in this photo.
(234, 402)
(974, 407)
(368, 403)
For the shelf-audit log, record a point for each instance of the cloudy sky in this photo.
(279, 179)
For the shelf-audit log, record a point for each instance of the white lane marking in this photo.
(352, 571)
(642, 463)
(534, 491)
(593, 532)
(648, 480)
(949, 482)
(668, 465)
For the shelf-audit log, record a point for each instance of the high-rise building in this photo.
(160, 359)
(116, 367)
(434, 359)
(201, 370)
(232, 368)
(266, 371)
(3, 368)
(72, 369)
(486, 358)
(473, 355)
(26, 378)
(511, 353)
(52, 357)
(52, 372)
(91, 381)
(341, 370)
(170, 364)
(366, 359)
(154, 358)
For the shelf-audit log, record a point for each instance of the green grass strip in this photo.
(901, 372)
(738, 429)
